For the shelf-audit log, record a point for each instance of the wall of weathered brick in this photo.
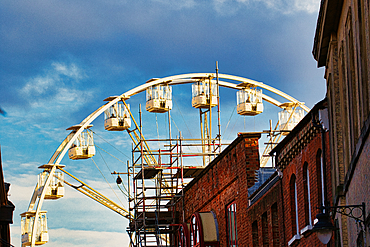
(275, 218)
(226, 179)
(307, 154)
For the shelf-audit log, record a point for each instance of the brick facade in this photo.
(298, 157)
(268, 216)
(225, 180)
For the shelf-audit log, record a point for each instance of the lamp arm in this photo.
(349, 211)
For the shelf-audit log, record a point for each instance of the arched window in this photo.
(306, 194)
(204, 230)
(293, 206)
(275, 225)
(196, 230)
(232, 233)
(265, 230)
(255, 234)
(184, 235)
(319, 180)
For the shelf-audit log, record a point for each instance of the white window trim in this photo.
(294, 238)
(309, 197)
(296, 207)
(306, 229)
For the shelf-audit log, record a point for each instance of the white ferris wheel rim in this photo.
(170, 80)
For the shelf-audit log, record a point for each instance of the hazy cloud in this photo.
(281, 6)
(56, 92)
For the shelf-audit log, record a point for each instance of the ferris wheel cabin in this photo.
(289, 118)
(204, 94)
(249, 102)
(117, 117)
(55, 190)
(27, 220)
(83, 147)
(159, 98)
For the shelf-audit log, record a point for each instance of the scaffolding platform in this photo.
(189, 172)
(149, 173)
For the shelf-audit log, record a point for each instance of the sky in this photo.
(60, 59)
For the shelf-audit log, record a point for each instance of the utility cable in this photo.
(112, 146)
(227, 125)
(106, 180)
(110, 171)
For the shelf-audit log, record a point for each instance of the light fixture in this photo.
(324, 227)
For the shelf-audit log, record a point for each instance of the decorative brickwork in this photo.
(303, 174)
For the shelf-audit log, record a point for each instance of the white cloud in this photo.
(281, 6)
(70, 70)
(58, 80)
(51, 99)
(79, 238)
(180, 4)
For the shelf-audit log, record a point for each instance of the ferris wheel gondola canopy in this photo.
(83, 147)
(55, 189)
(28, 219)
(159, 98)
(117, 117)
(290, 116)
(249, 101)
(204, 94)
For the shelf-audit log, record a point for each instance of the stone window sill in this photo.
(295, 238)
(306, 229)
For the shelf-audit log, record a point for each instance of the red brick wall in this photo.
(275, 218)
(225, 180)
(307, 154)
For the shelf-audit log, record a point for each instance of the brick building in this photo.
(342, 45)
(281, 211)
(302, 157)
(266, 214)
(222, 188)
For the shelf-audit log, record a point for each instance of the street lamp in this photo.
(324, 227)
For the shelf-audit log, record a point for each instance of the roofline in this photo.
(327, 23)
(266, 186)
(320, 105)
(241, 136)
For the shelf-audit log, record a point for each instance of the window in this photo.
(255, 234)
(293, 205)
(360, 240)
(320, 199)
(183, 235)
(306, 194)
(195, 231)
(275, 226)
(232, 233)
(265, 230)
(352, 85)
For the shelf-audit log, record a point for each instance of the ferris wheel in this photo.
(79, 143)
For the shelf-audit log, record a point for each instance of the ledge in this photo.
(295, 238)
(306, 229)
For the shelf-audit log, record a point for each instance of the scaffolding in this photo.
(157, 187)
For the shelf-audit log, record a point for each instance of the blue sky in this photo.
(60, 59)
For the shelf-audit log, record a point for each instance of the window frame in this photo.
(232, 232)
